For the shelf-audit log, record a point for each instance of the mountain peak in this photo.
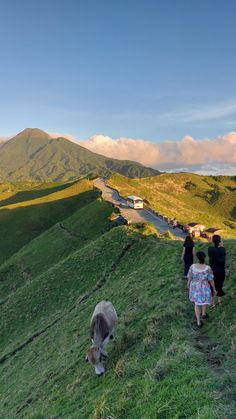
(33, 154)
(32, 132)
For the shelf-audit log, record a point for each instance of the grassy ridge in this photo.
(52, 292)
(160, 366)
(188, 197)
(54, 245)
(12, 193)
(24, 220)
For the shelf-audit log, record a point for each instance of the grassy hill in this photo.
(159, 366)
(54, 245)
(23, 220)
(210, 200)
(15, 192)
(34, 155)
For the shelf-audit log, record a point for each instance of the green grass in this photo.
(12, 193)
(156, 367)
(54, 245)
(22, 221)
(159, 366)
(209, 200)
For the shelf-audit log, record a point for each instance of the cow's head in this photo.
(94, 356)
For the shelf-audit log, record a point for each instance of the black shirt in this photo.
(189, 249)
(217, 258)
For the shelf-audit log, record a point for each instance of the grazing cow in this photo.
(102, 325)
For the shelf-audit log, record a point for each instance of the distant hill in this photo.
(34, 155)
(210, 200)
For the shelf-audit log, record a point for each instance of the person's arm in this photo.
(183, 253)
(211, 280)
(194, 252)
(213, 286)
(189, 276)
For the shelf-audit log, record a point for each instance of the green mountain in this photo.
(34, 155)
(210, 200)
(159, 366)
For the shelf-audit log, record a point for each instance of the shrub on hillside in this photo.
(146, 229)
(167, 235)
(190, 186)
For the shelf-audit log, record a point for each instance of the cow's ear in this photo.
(86, 358)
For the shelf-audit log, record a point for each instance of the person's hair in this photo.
(201, 257)
(216, 239)
(188, 241)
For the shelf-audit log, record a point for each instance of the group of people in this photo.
(205, 282)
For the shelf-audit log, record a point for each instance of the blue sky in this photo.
(151, 69)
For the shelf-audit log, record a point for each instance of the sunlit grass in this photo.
(22, 221)
(190, 198)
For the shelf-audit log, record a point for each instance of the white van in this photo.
(134, 202)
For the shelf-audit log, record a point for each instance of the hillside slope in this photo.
(34, 155)
(159, 365)
(54, 245)
(209, 200)
(21, 221)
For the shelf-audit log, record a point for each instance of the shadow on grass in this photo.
(36, 192)
(20, 225)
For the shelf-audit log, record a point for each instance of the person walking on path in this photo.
(217, 257)
(200, 276)
(188, 254)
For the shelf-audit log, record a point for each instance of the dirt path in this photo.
(135, 216)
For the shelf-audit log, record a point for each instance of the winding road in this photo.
(135, 216)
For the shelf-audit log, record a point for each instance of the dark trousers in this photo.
(219, 278)
(188, 261)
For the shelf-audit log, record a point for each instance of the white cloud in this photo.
(3, 139)
(168, 155)
(124, 149)
(224, 169)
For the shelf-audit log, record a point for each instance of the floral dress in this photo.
(200, 290)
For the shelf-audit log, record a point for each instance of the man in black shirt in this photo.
(217, 256)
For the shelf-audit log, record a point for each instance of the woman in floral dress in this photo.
(199, 276)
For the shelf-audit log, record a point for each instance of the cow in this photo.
(102, 329)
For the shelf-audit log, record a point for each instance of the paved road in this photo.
(135, 216)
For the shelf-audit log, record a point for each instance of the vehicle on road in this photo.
(135, 202)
